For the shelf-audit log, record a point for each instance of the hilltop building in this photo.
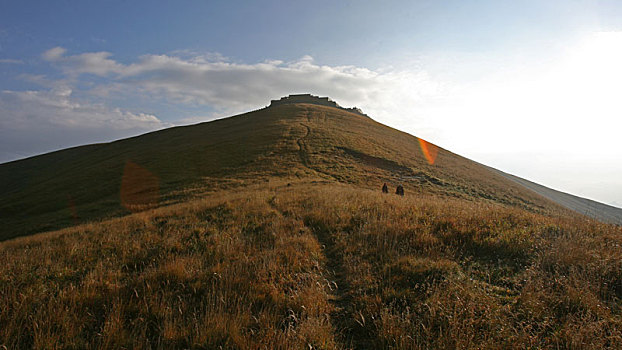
(305, 98)
(312, 99)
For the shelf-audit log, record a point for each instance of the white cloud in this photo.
(54, 53)
(10, 61)
(97, 63)
(32, 122)
(27, 109)
(211, 80)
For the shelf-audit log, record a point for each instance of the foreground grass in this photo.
(316, 266)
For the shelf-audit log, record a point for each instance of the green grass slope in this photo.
(76, 185)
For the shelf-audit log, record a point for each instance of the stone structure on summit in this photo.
(312, 99)
(305, 98)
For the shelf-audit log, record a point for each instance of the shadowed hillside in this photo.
(288, 141)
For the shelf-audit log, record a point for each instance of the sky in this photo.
(528, 87)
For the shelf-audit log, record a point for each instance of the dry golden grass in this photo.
(316, 265)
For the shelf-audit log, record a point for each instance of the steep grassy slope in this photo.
(83, 183)
(289, 141)
(316, 266)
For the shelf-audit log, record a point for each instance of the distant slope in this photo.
(75, 185)
(291, 141)
(593, 209)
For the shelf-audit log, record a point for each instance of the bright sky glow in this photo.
(528, 87)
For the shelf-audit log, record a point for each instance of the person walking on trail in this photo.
(399, 190)
(385, 188)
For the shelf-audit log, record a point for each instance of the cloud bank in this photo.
(212, 80)
(33, 122)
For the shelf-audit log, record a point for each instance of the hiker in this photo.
(385, 189)
(399, 190)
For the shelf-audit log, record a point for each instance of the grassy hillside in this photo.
(268, 230)
(73, 186)
(316, 266)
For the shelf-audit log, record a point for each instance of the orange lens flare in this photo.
(72, 208)
(140, 188)
(429, 150)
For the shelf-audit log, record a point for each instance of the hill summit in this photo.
(314, 100)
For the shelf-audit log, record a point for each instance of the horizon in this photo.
(527, 88)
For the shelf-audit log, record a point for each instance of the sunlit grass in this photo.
(316, 266)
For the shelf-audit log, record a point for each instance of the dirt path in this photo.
(348, 326)
(304, 151)
(302, 147)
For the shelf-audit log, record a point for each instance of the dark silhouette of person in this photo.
(399, 190)
(385, 189)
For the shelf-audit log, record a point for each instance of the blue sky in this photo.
(528, 87)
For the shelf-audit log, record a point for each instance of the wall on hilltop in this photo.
(305, 98)
(312, 99)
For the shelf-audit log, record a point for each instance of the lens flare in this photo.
(140, 188)
(430, 151)
(72, 208)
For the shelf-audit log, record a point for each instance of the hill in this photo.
(288, 141)
(269, 230)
